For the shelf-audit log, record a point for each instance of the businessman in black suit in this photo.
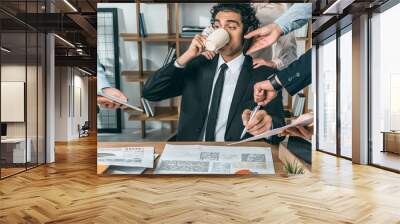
(217, 91)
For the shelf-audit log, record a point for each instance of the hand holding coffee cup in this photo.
(197, 45)
(195, 49)
(215, 41)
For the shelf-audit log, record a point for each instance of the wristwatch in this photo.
(274, 83)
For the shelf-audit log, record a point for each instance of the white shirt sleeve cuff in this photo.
(176, 64)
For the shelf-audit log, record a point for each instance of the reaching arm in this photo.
(295, 17)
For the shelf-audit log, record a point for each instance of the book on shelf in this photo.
(148, 108)
(191, 31)
(144, 107)
(189, 34)
(193, 28)
(170, 56)
(298, 105)
(142, 25)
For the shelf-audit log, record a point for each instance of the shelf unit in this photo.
(162, 113)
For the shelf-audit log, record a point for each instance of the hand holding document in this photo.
(115, 99)
(304, 120)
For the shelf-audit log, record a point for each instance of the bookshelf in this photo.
(162, 113)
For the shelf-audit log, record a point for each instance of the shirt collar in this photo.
(234, 65)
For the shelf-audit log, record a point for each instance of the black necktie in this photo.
(216, 99)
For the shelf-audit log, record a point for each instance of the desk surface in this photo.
(159, 147)
(13, 140)
(391, 132)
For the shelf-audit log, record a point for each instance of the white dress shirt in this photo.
(231, 78)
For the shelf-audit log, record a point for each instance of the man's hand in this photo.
(264, 92)
(258, 62)
(208, 54)
(305, 132)
(264, 37)
(195, 49)
(107, 103)
(300, 131)
(260, 123)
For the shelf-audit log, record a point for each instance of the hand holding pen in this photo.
(256, 122)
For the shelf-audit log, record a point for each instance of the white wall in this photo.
(68, 82)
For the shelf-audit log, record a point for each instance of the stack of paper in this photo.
(128, 160)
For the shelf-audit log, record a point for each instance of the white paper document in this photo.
(303, 121)
(126, 156)
(207, 159)
(120, 102)
(127, 169)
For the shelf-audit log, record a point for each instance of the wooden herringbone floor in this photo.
(69, 191)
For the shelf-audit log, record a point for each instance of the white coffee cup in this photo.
(217, 40)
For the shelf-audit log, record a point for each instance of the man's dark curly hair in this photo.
(248, 14)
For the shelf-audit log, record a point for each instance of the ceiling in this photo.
(75, 21)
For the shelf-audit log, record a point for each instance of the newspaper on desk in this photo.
(126, 156)
(206, 159)
(127, 169)
(305, 120)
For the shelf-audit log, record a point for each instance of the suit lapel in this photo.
(241, 88)
(207, 77)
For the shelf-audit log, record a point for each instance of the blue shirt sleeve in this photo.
(295, 17)
(102, 81)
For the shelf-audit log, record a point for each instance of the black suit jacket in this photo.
(297, 75)
(194, 84)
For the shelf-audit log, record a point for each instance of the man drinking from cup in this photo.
(217, 92)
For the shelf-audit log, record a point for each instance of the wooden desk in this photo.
(159, 147)
(391, 141)
(15, 152)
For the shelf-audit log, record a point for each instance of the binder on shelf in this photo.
(144, 107)
(191, 31)
(298, 105)
(170, 56)
(148, 109)
(142, 27)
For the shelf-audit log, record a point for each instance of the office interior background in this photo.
(46, 80)
(357, 78)
(47, 64)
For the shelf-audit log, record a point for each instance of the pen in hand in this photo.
(253, 113)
